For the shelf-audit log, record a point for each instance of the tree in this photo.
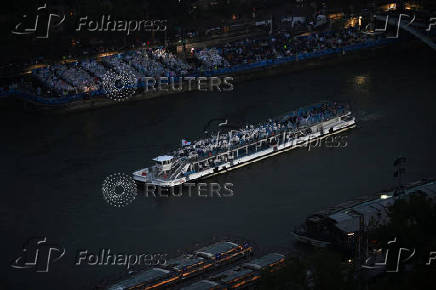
(413, 223)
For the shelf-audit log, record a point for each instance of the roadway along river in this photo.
(53, 165)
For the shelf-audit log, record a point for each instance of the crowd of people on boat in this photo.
(282, 44)
(210, 59)
(86, 75)
(175, 65)
(51, 78)
(143, 63)
(295, 124)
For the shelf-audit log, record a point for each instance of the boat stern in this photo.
(141, 175)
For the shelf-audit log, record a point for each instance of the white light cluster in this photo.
(119, 189)
(119, 86)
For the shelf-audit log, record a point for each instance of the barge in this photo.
(342, 225)
(229, 149)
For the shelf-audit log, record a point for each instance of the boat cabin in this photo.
(164, 163)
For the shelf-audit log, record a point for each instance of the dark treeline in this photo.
(412, 224)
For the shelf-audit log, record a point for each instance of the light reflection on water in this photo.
(360, 80)
(54, 165)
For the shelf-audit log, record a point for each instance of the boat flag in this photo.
(185, 142)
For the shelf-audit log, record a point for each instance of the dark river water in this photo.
(53, 166)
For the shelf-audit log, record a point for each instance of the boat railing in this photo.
(253, 142)
(181, 164)
(285, 129)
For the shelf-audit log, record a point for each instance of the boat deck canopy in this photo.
(163, 158)
(217, 248)
(264, 261)
(144, 277)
